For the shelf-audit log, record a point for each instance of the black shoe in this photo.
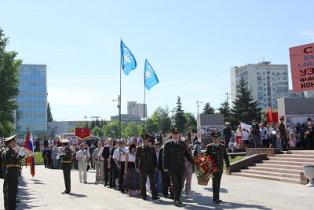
(144, 198)
(65, 192)
(166, 196)
(178, 204)
(155, 198)
(217, 201)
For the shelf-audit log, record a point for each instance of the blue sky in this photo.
(191, 44)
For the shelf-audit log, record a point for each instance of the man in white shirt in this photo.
(119, 159)
(82, 156)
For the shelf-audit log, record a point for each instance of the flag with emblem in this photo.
(128, 62)
(150, 77)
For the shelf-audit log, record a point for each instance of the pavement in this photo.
(44, 192)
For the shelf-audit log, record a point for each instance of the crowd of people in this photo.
(162, 165)
(279, 136)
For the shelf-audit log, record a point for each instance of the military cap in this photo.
(10, 138)
(146, 136)
(214, 134)
(174, 131)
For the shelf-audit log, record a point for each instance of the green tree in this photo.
(191, 123)
(92, 125)
(161, 119)
(97, 131)
(9, 74)
(111, 129)
(49, 114)
(151, 126)
(226, 111)
(245, 108)
(132, 129)
(208, 109)
(179, 116)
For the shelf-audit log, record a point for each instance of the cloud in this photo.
(308, 34)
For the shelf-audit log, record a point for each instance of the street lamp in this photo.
(198, 104)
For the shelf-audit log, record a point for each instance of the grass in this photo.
(236, 158)
(38, 158)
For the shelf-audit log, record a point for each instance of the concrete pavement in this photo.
(44, 192)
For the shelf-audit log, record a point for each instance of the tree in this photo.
(111, 129)
(179, 116)
(151, 126)
(245, 108)
(190, 122)
(162, 120)
(132, 129)
(208, 109)
(92, 125)
(225, 110)
(9, 74)
(97, 131)
(49, 114)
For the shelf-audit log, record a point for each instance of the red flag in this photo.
(28, 145)
(82, 133)
(269, 116)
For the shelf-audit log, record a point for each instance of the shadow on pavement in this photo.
(77, 195)
(222, 190)
(24, 196)
(205, 202)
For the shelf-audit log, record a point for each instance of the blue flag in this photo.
(150, 77)
(128, 62)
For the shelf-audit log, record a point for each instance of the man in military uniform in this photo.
(66, 162)
(218, 153)
(174, 154)
(146, 163)
(283, 134)
(11, 161)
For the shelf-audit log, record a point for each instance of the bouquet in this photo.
(204, 167)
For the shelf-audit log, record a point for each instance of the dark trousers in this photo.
(106, 173)
(152, 180)
(265, 143)
(121, 176)
(216, 185)
(284, 144)
(10, 190)
(165, 183)
(176, 184)
(66, 167)
(113, 175)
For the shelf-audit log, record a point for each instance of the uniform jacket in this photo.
(219, 154)
(174, 155)
(145, 158)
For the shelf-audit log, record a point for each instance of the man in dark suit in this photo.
(165, 178)
(146, 163)
(218, 153)
(174, 155)
(105, 154)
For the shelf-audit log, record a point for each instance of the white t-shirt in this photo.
(119, 154)
(245, 135)
(131, 157)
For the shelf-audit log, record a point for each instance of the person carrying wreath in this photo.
(218, 153)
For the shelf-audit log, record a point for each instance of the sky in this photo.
(191, 44)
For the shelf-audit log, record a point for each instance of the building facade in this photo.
(137, 109)
(32, 99)
(267, 82)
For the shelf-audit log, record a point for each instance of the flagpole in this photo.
(144, 107)
(119, 106)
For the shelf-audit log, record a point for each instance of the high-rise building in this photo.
(267, 82)
(32, 99)
(137, 109)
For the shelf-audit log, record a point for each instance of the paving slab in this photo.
(44, 192)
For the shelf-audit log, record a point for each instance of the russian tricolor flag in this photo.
(28, 145)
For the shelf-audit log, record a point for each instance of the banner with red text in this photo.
(302, 67)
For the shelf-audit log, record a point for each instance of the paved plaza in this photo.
(44, 192)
